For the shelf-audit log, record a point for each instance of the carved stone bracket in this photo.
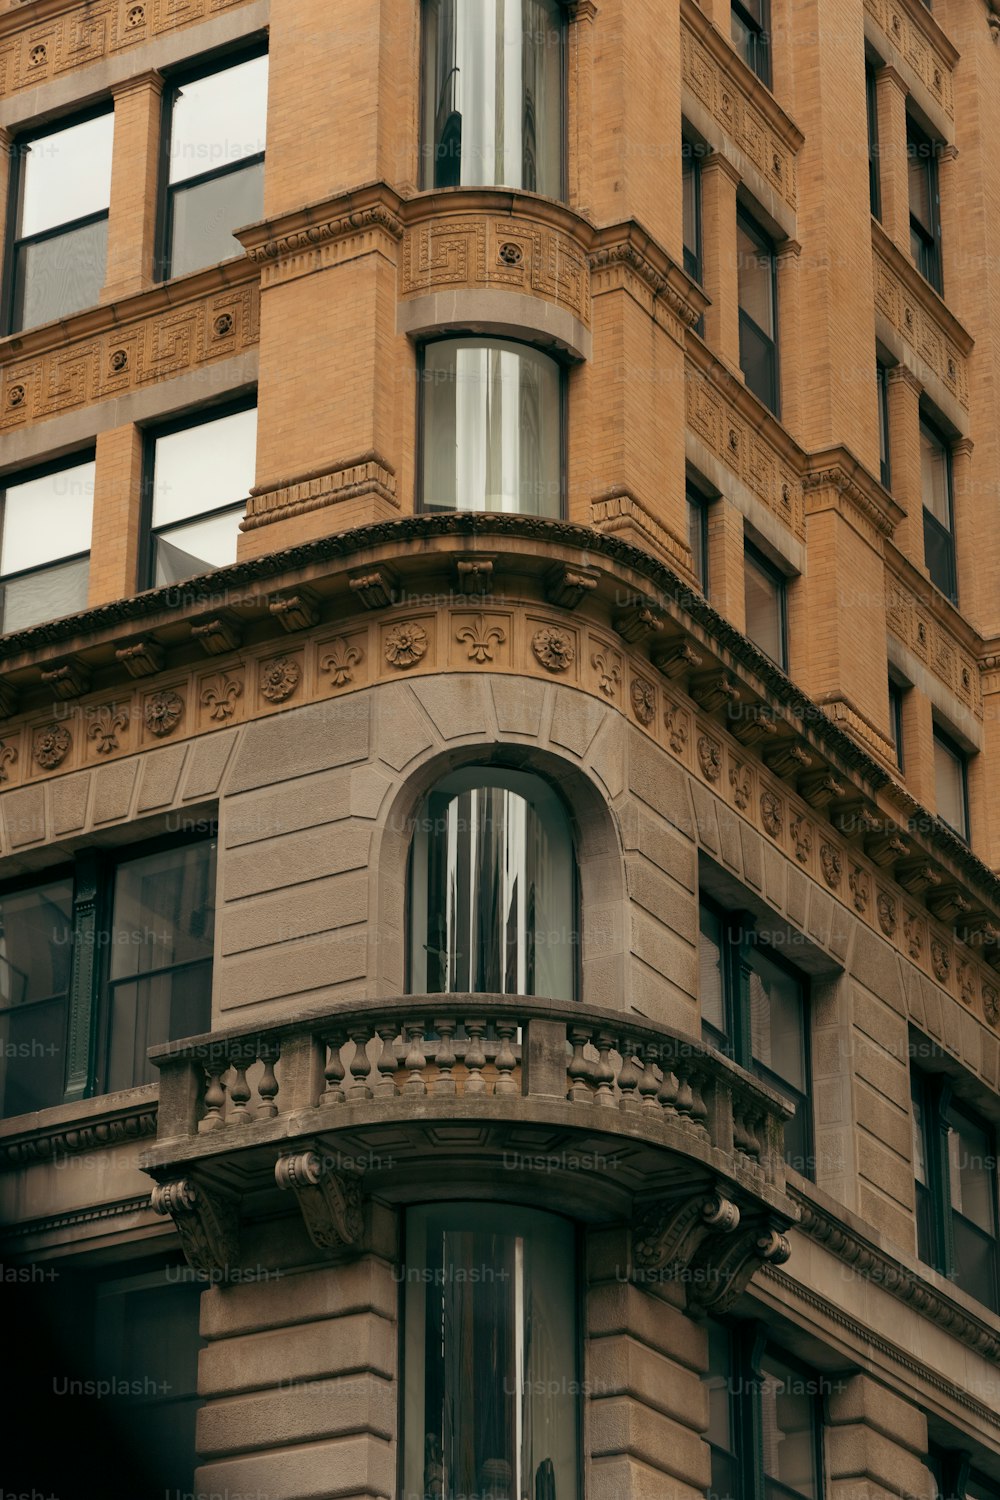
(217, 635)
(141, 658)
(474, 575)
(8, 700)
(206, 1221)
(638, 622)
(568, 587)
(376, 588)
(67, 680)
(703, 1241)
(329, 1202)
(295, 611)
(667, 1235)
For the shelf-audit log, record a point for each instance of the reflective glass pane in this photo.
(218, 120)
(36, 929)
(491, 1399)
(493, 94)
(710, 972)
(764, 624)
(204, 467)
(66, 175)
(493, 900)
(919, 1116)
(146, 1012)
(935, 481)
(975, 1268)
(184, 551)
(939, 556)
(788, 1426)
(949, 785)
(921, 183)
(204, 216)
(164, 909)
(45, 519)
(60, 275)
(46, 595)
(689, 184)
(777, 1020)
(972, 1171)
(759, 362)
(755, 267)
(696, 536)
(491, 428)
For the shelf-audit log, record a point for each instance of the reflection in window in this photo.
(764, 1420)
(492, 897)
(201, 475)
(493, 95)
(490, 1400)
(764, 589)
(491, 428)
(45, 546)
(161, 942)
(61, 234)
(951, 784)
(749, 23)
(939, 523)
(925, 222)
(697, 512)
(216, 164)
(882, 385)
(36, 928)
(758, 295)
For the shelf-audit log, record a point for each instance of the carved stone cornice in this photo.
(837, 469)
(912, 33)
(329, 1201)
(628, 245)
(722, 51)
(375, 208)
(930, 626)
(344, 479)
(68, 1139)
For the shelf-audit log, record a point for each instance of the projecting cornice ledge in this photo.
(837, 469)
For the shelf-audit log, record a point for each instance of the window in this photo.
(200, 473)
(758, 299)
(764, 1427)
(72, 1026)
(697, 510)
(896, 691)
(955, 1169)
(939, 522)
(925, 221)
(951, 786)
(61, 220)
(754, 1008)
(749, 22)
(493, 95)
(490, 1403)
(871, 102)
(491, 428)
(215, 164)
(691, 208)
(492, 888)
(764, 589)
(882, 385)
(45, 544)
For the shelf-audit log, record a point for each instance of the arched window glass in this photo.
(492, 888)
(490, 1402)
(491, 428)
(493, 95)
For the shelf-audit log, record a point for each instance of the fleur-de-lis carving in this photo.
(481, 638)
(219, 697)
(8, 755)
(741, 781)
(676, 723)
(608, 677)
(107, 726)
(802, 837)
(340, 661)
(860, 889)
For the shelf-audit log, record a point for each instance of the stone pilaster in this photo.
(135, 175)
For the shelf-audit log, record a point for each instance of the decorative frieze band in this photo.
(908, 304)
(369, 474)
(912, 621)
(908, 34)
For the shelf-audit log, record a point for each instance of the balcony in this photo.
(599, 1115)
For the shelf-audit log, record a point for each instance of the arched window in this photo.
(491, 428)
(493, 888)
(493, 95)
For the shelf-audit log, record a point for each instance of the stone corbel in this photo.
(295, 611)
(142, 658)
(376, 588)
(67, 680)
(330, 1203)
(723, 1267)
(668, 1234)
(8, 700)
(474, 575)
(639, 622)
(568, 587)
(206, 1221)
(217, 635)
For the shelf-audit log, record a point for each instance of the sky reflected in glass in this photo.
(218, 120)
(67, 174)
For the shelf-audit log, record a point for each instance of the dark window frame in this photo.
(739, 940)
(943, 535)
(28, 476)
(691, 154)
(928, 260)
(943, 738)
(451, 334)
(245, 50)
(14, 241)
(696, 500)
(896, 693)
(885, 449)
(935, 1214)
(765, 244)
(758, 54)
(146, 561)
(88, 1003)
(874, 163)
(763, 564)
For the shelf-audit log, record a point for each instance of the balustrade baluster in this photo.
(685, 1098)
(268, 1052)
(604, 1041)
(580, 1068)
(357, 1089)
(444, 1057)
(414, 1060)
(475, 1057)
(629, 1075)
(506, 1062)
(241, 1057)
(699, 1109)
(649, 1084)
(385, 1087)
(667, 1096)
(334, 1070)
(215, 1095)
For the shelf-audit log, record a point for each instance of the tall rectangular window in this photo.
(60, 220)
(896, 719)
(200, 472)
(215, 164)
(939, 521)
(754, 1008)
(750, 21)
(882, 387)
(758, 309)
(45, 544)
(951, 784)
(764, 589)
(697, 512)
(955, 1171)
(691, 208)
(871, 105)
(925, 212)
(36, 935)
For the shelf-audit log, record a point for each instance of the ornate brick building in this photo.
(499, 922)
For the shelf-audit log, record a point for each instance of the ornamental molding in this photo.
(922, 620)
(918, 39)
(623, 514)
(919, 318)
(838, 471)
(704, 1241)
(206, 1220)
(330, 1202)
(347, 479)
(49, 1145)
(628, 247)
(307, 239)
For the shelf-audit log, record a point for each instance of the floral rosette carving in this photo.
(709, 758)
(553, 648)
(770, 813)
(163, 712)
(991, 1004)
(279, 679)
(52, 745)
(405, 645)
(643, 696)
